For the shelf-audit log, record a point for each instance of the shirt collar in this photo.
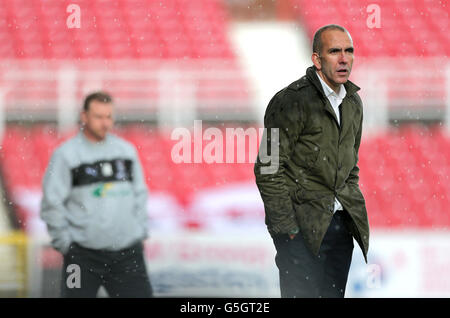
(328, 91)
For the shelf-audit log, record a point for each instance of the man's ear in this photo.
(316, 60)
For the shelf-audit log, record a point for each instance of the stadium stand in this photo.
(151, 54)
(404, 171)
(118, 40)
(115, 29)
(197, 30)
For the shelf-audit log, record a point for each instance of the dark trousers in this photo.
(122, 273)
(303, 274)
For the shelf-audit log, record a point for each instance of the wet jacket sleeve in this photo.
(280, 121)
(353, 178)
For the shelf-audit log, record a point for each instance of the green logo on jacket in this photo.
(107, 189)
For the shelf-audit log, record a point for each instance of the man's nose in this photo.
(343, 58)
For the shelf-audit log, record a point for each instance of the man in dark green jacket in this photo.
(313, 204)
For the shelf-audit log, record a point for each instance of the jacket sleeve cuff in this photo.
(290, 226)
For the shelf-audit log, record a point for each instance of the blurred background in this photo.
(170, 62)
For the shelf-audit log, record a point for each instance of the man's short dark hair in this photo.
(317, 41)
(101, 97)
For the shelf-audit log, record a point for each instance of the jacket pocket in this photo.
(313, 130)
(313, 158)
(303, 196)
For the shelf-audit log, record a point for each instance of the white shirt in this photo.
(335, 101)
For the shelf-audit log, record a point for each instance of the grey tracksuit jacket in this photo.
(95, 194)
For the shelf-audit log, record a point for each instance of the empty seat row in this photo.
(115, 29)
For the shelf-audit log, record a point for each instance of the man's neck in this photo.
(335, 88)
(91, 137)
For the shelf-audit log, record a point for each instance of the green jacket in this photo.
(317, 162)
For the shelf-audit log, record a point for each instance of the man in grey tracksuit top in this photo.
(94, 205)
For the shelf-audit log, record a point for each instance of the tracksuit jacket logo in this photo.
(101, 190)
(105, 172)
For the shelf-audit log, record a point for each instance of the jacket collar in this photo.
(347, 108)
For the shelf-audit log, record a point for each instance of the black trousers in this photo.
(303, 274)
(123, 273)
